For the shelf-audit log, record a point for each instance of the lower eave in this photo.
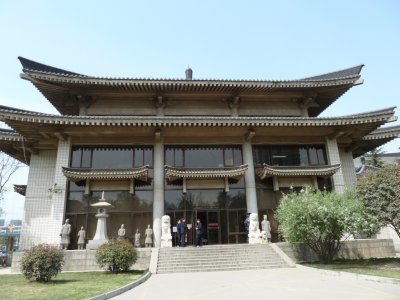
(297, 171)
(78, 174)
(177, 173)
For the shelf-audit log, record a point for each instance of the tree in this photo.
(8, 166)
(380, 192)
(322, 220)
(374, 158)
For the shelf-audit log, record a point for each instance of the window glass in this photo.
(138, 157)
(203, 158)
(289, 155)
(312, 152)
(228, 157)
(321, 156)
(148, 157)
(237, 156)
(178, 157)
(236, 198)
(169, 157)
(86, 158)
(76, 158)
(112, 158)
(303, 157)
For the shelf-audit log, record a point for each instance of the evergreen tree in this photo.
(374, 158)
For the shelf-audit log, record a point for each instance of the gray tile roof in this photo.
(345, 73)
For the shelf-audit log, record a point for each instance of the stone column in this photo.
(251, 196)
(158, 192)
(60, 184)
(332, 152)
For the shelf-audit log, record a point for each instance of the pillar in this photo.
(158, 192)
(59, 192)
(251, 196)
(332, 152)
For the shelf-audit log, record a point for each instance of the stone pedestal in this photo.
(100, 236)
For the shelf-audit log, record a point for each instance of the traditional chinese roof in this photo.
(12, 143)
(295, 171)
(13, 116)
(38, 131)
(20, 189)
(60, 86)
(177, 173)
(376, 139)
(79, 174)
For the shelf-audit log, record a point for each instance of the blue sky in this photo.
(217, 39)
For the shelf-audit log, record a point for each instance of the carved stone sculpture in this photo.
(81, 238)
(148, 236)
(166, 237)
(265, 230)
(254, 230)
(121, 233)
(137, 238)
(65, 232)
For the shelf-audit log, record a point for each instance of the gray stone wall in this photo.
(85, 260)
(353, 249)
(38, 219)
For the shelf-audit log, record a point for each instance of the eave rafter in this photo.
(297, 171)
(78, 174)
(20, 189)
(176, 173)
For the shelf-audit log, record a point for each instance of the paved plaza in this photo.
(283, 283)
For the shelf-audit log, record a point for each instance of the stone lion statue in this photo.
(254, 230)
(166, 237)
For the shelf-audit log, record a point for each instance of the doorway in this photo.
(210, 219)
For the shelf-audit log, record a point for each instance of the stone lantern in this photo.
(100, 236)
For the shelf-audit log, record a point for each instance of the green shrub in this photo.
(42, 262)
(322, 220)
(116, 255)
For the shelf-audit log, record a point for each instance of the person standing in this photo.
(199, 233)
(183, 233)
(179, 232)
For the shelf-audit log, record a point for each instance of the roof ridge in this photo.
(32, 65)
(347, 72)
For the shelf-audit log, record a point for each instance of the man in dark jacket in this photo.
(179, 232)
(199, 233)
(183, 233)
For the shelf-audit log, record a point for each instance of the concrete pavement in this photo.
(282, 283)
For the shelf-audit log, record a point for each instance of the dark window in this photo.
(86, 158)
(76, 158)
(112, 158)
(289, 155)
(203, 158)
(120, 157)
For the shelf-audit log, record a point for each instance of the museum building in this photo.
(189, 148)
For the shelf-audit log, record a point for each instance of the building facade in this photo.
(209, 149)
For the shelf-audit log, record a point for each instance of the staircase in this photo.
(218, 258)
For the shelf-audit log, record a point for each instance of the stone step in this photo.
(199, 262)
(215, 269)
(218, 258)
(210, 255)
(227, 258)
(219, 265)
